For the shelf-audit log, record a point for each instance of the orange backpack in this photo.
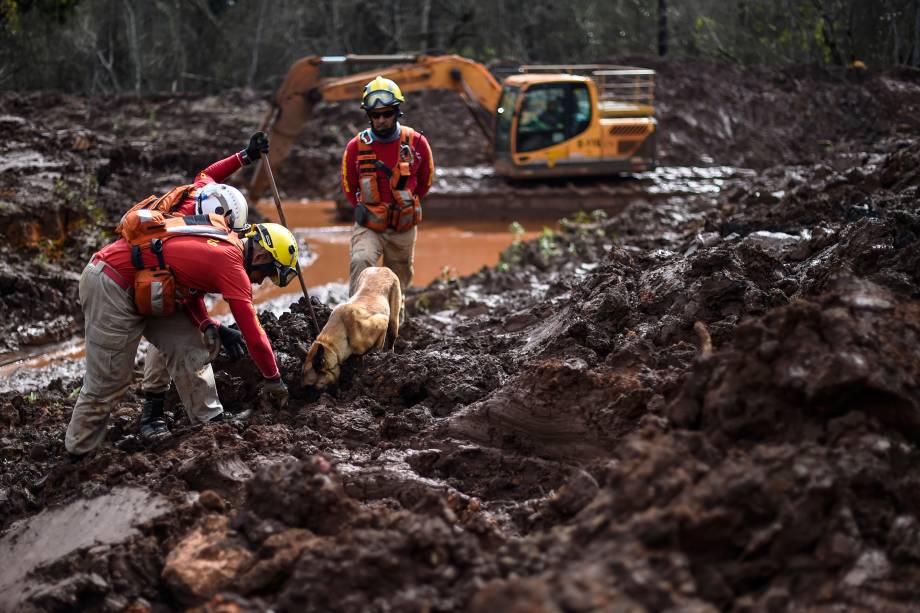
(155, 289)
(167, 203)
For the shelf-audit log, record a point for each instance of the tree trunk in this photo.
(133, 44)
(426, 26)
(342, 42)
(397, 26)
(896, 43)
(916, 57)
(830, 38)
(254, 64)
(663, 27)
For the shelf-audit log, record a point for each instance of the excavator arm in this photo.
(303, 88)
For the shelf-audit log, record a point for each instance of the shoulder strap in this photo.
(408, 136)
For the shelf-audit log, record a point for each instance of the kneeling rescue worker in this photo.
(133, 287)
(386, 171)
(205, 195)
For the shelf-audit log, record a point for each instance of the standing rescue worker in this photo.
(206, 195)
(386, 171)
(201, 264)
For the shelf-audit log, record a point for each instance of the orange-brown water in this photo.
(443, 248)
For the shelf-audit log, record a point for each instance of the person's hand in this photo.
(274, 394)
(258, 144)
(211, 341)
(233, 343)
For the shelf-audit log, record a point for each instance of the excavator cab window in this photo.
(552, 113)
(503, 118)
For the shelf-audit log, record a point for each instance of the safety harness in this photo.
(405, 211)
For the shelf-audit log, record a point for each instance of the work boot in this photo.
(233, 419)
(152, 425)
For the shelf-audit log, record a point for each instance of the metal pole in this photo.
(303, 286)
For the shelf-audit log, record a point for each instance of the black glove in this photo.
(258, 144)
(233, 343)
(274, 394)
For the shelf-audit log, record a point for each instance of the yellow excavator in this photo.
(542, 121)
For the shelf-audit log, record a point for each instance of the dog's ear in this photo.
(318, 360)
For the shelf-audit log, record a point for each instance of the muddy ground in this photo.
(705, 402)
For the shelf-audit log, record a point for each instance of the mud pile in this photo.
(758, 117)
(708, 401)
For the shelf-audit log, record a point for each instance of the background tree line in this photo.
(114, 46)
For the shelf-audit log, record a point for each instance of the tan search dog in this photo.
(368, 320)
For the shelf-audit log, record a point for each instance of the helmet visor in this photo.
(378, 99)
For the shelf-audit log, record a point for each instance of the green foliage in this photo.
(584, 227)
(9, 14)
(31, 397)
(423, 304)
(447, 274)
(83, 195)
(547, 244)
(511, 256)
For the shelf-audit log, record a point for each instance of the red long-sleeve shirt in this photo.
(421, 170)
(210, 267)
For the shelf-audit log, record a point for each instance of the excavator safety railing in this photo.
(615, 84)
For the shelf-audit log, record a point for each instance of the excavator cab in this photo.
(558, 125)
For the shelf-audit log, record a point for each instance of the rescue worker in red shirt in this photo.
(386, 171)
(114, 326)
(208, 195)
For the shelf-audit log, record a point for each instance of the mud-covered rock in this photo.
(206, 561)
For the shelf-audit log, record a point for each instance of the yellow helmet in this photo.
(381, 92)
(281, 244)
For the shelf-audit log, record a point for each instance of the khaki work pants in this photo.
(397, 249)
(156, 374)
(113, 331)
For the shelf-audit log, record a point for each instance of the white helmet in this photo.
(225, 200)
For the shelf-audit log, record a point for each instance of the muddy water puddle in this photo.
(443, 249)
(54, 533)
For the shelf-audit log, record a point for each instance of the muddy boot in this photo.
(152, 425)
(234, 419)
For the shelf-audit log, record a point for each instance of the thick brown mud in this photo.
(705, 401)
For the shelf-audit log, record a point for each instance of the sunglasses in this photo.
(382, 114)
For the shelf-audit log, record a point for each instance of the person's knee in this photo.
(362, 259)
